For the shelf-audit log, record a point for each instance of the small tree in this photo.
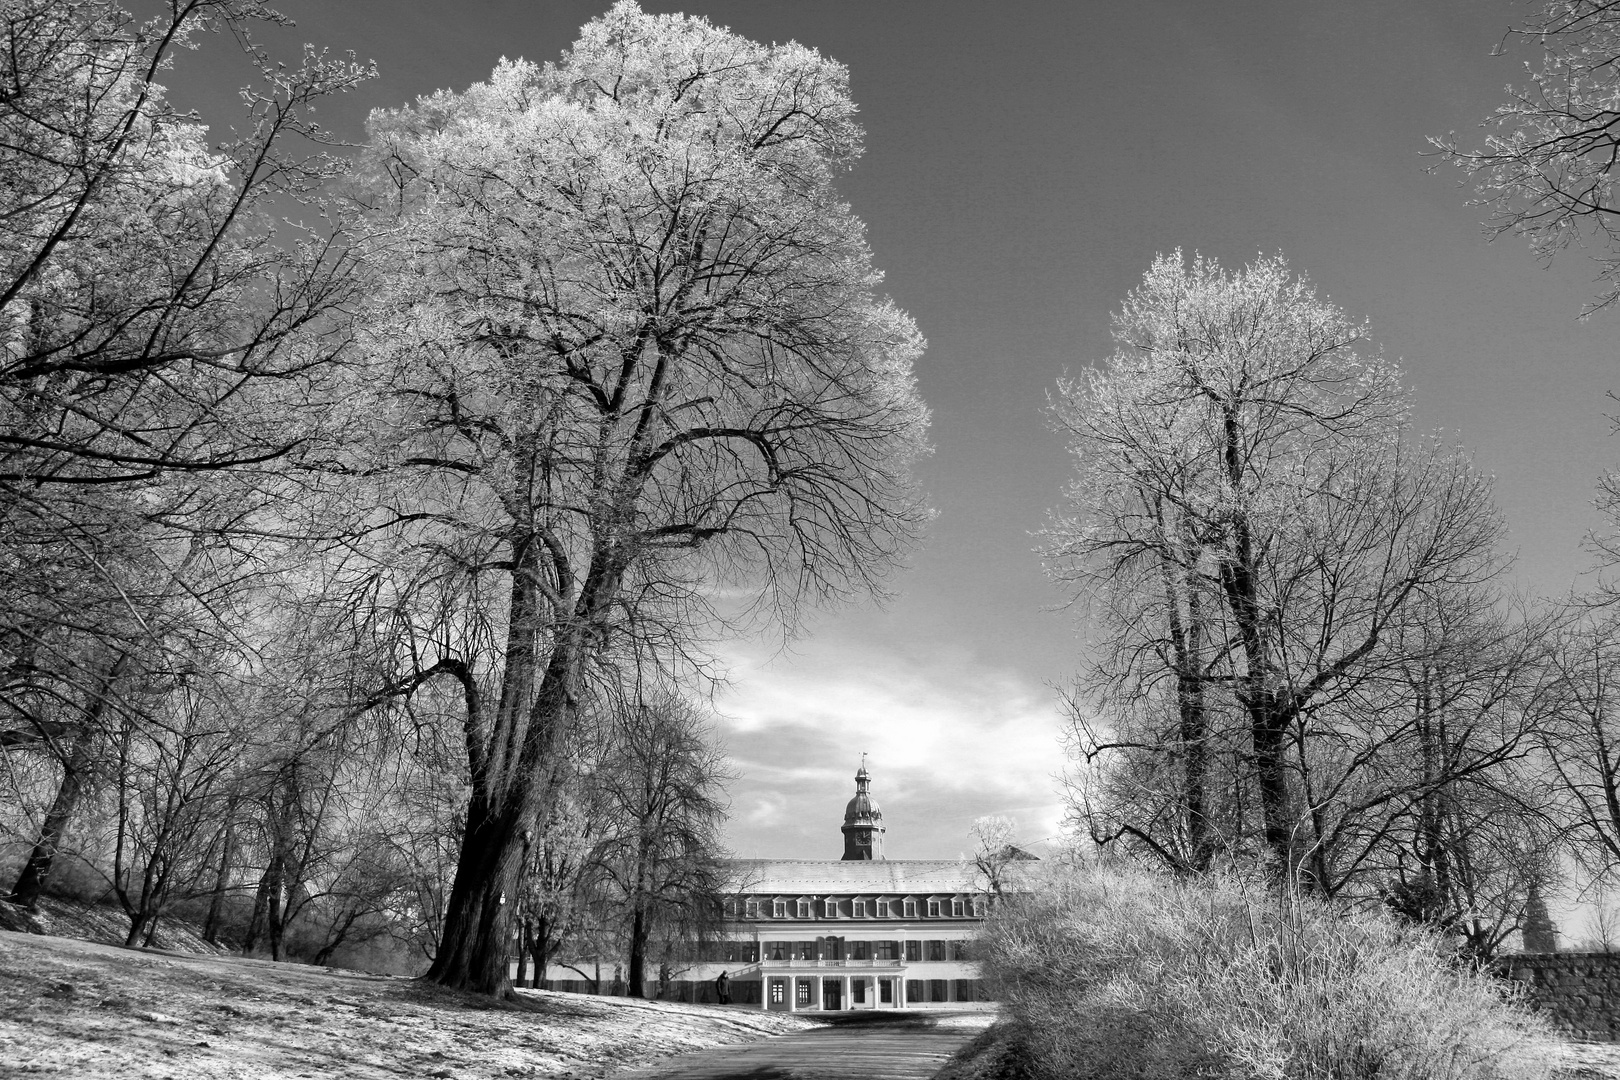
(662, 783)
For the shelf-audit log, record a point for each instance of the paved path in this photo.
(865, 1046)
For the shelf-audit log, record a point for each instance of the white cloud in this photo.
(949, 738)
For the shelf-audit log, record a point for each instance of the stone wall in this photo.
(1580, 992)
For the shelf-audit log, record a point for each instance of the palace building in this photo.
(859, 932)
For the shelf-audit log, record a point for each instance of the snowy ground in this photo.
(88, 1010)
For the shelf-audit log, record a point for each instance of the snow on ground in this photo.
(96, 1012)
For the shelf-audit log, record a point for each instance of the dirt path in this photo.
(866, 1046)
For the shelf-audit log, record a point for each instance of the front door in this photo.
(831, 994)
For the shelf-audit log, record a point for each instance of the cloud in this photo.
(949, 738)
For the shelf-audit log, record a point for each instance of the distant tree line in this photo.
(365, 521)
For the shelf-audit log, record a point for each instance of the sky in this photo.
(1025, 162)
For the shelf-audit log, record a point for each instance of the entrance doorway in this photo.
(832, 994)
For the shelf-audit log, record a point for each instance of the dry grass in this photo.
(94, 1012)
(1122, 974)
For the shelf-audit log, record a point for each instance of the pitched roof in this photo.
(824, 876)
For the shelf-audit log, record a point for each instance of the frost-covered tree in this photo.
(1546, 170)
(1253, 527)
(628, 360)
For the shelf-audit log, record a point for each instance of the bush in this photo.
(1123, 974)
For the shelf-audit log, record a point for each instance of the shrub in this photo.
(1124, 974)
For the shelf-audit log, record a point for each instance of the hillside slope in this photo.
(89, 1010)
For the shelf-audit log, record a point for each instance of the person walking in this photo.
(722, 988)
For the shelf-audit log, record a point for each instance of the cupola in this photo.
(863, 821)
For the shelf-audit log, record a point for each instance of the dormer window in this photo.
(883, 909)
(780, 909)
(933, 909)
(857, 908)
(753, 909)
(957, 908)
(829, 908)
(911, 909)
(804, 909)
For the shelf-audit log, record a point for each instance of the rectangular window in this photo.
(804, 909)
(911, 909)
(933, 909)
(886, 991)
(978, 907)
(957, 910)
(778, 991)
(858, 908)
(780, 909)
(830, 908)
(936, 990)
(936, 951)
(888, 950)
(860, 950)
(805, 950)
(801, 994)
(883, 909)
(777, 950)
(959, 950)
(913, 951)
(753, 909)
(964, 990)
(915, 991)
(857, 992)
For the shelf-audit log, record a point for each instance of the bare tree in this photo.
(1582, 738)
(154, 324)
(662, 780)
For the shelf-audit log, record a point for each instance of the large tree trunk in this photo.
(522, 953)
(638, 951)
(1186, 636)
(472, 952)
(37, 870)
(272, 916)
(255, 925)
(137, 928)
(221, 878)
(511, 771)
(1268, 721)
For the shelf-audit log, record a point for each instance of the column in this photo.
(849, 1002)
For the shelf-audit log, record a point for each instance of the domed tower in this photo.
(863, 821)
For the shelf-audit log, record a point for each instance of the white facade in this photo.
(838, 935)
(861, 932)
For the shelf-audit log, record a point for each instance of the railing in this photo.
(800, 963)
